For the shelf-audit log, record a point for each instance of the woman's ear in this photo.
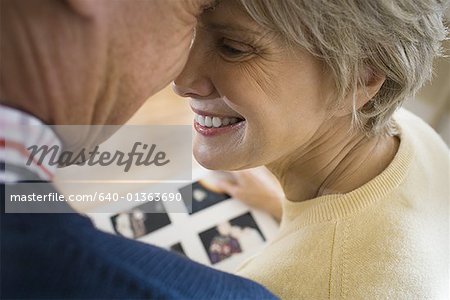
(86, 8)
(368, 86)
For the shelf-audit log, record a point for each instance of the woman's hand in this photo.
(257, 188)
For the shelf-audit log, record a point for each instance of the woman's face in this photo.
(255, 99)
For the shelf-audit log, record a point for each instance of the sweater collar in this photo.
(337, 206)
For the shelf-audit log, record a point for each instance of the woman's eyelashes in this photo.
(232, 49)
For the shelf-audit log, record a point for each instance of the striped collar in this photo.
(18, 131)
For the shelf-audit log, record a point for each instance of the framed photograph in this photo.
(178, 248)
(203, 194)
(140, 220)
(235, 236)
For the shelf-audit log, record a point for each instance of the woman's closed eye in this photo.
(231, 49)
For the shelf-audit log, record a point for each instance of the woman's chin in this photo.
(212, 161)
(209, 162)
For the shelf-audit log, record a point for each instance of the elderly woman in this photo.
(310, 89)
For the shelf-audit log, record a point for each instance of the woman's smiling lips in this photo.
(211, 124)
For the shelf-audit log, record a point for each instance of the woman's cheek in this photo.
(254, 75)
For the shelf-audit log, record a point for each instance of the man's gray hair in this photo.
(396, 38)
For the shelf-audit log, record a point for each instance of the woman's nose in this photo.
(189, 85)
(194, 81)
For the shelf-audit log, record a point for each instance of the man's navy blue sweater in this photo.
(64, 256)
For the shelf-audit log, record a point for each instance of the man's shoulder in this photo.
(60, 254)
(166, 273)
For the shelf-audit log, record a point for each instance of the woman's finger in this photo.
(229, 187)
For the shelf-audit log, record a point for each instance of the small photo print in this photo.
(235, 236)
(178, 248)
(137, 222)
(202, 194)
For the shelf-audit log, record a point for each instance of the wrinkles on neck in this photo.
(334, 161)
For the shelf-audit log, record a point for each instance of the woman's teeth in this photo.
(216, 122)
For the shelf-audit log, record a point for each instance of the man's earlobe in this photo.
(86, 8)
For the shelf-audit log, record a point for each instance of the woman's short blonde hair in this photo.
(397, 38)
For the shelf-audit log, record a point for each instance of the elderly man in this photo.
(91, 62)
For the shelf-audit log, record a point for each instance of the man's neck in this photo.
(335, 161)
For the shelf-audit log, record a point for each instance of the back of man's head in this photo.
(91, 62)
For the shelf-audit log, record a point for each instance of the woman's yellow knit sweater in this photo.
(387, 239)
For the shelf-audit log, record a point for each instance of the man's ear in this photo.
(86, 8)
(366, 89)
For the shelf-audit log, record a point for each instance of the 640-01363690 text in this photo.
(97, 197)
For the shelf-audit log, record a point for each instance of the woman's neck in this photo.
(334, 161)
